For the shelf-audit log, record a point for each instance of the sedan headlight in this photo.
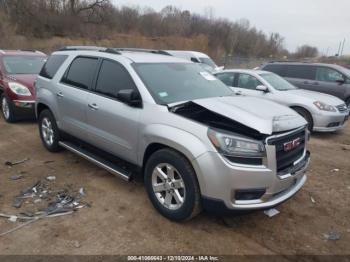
(237, 148)
(324, 107)
(19, 89)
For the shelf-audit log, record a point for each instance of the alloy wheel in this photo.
(47, 131)
(5, 108)
(168, 186)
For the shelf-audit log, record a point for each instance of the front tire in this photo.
(49, 132)
(172, 185)
(307, 116)
(348, 102)
(7, 110)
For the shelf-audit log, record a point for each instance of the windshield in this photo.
(277, 82)
(207, 61)
(23, 64)
(175, 82)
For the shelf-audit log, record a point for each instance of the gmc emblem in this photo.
(288, 146)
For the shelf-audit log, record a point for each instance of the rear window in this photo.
(81, 72)
(52, 65)
(301, 71)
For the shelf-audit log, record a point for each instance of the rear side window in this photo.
(226, 78)
(81, 72)
(301, 71)
(52, 65)
(112, 78)
(274, 68)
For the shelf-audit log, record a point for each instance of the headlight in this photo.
(324, 107)
(19, 89)
(232, 145)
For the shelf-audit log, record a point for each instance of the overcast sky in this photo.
(321, 23)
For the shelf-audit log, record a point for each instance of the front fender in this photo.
(178, 139)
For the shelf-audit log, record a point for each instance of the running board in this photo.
(107, 165)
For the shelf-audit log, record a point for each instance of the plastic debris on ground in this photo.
(335, 170)
(51, 178)
(9, 163)
(313, 200)
(332, 236)
(16, 177)
(46, 201)
(271, 212)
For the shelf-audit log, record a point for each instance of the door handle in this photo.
(238, 92)
(93, 106)
(60, 94)
(306, 82)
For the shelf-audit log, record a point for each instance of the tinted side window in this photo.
(274, 68)
(327, 74)
(248, 81)
(112, 78)
(301, 71)
(81, 72)
(52, 65)
(226, 78)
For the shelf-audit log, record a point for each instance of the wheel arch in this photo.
(298, 107)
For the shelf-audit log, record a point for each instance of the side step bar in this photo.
(107, 165)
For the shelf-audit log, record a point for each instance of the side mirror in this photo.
(262, 88)
(340, 81)
(130, 97)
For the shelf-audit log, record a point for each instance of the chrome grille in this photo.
(342, 108)
(285, 159)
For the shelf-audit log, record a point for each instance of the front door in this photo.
(113, 125)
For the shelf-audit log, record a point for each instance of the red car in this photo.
(18, 72)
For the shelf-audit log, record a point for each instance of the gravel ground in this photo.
(121, 220)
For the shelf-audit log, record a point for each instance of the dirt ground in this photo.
(122, 220)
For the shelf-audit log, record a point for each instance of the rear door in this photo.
(302, 76)
(113, 125)
(326, 78)
(73, 95)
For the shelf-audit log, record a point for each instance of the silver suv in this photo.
(196, 144)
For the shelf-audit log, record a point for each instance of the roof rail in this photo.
(144, 50)
(287, 61)
(90, 48)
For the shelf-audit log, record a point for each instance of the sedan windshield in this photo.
(207, 61)
(176, 82)
(23, 64)
(277, 82)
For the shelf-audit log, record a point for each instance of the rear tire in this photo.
(307, 116)
(7, 110)
(49, 132)
(172, 185)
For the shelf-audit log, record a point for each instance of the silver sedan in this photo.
(324, 113)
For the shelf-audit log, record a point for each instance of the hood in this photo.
(317, 96)
(26, 80)
(262, 115)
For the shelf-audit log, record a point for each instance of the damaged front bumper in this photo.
(228, 187)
